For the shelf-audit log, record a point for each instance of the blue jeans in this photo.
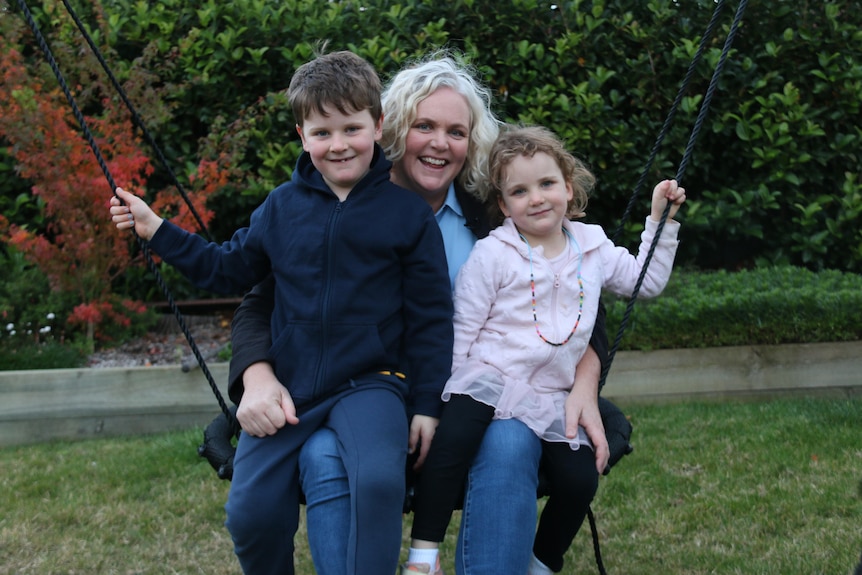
(498, 522)
(327, 496)
(494, 538)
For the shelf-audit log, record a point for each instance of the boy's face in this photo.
(340, 145)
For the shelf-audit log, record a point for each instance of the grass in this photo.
(724, 488)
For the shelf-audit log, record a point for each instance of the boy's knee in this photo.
(261, 543)
(377, 483)
(249, 519)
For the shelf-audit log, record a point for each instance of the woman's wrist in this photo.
(258, 373)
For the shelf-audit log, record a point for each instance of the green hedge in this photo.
(766, 306)
(774, 176)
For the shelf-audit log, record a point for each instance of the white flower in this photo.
(10, 326)
(13, 332)
(46, 329)
(50, 316)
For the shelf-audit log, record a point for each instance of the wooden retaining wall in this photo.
(43, 405)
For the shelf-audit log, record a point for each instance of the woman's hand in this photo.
(582, 407)
(266, 405)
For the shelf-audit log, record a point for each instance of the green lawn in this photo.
(726, 488)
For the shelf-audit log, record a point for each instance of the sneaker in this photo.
(414, 568)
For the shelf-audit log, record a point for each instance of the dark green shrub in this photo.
(46, 355)
(37, 328)
(32, 319)
(765, 306)
(774, 175)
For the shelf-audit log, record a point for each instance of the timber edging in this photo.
(44, 405)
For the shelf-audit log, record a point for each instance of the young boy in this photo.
(362, 297)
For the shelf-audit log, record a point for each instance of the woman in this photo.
(438, 129)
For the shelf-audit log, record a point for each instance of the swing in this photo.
(217, 446)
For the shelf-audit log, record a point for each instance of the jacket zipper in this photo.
(320, 372)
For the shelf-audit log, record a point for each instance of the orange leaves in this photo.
(78, 249)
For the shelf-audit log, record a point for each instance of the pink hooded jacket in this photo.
(499, 359)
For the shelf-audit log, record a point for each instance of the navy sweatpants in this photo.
(263, 503)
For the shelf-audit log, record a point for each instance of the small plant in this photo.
(41, 328)
(110, 322)
(37, 346)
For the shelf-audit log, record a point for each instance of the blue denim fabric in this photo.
(494, 538)
(327, 495)
(499, 517)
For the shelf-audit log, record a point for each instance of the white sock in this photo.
(538, 568)
(428, 556)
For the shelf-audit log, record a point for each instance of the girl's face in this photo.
(535, 195)
(436, 146)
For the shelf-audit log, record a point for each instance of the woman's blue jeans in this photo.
(499, 518)
(327, 501)
(498, 522)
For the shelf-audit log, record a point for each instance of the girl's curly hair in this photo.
(527, 141)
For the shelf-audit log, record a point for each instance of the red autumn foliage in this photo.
(79, 249)
(210, 177)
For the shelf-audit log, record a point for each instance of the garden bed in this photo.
(80, 403)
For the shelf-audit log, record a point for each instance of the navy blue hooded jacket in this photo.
(360, 286)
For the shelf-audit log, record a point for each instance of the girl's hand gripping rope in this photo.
(666, 191)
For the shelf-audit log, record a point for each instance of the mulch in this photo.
(166, 344)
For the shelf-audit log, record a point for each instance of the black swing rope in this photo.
(683, 162)
(679, 176)
(43, 45)
(231, 420)
(136, 119)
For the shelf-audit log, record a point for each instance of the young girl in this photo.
(525, 304)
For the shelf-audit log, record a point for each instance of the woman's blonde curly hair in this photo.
(413, 84)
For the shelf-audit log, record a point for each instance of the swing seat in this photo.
(218, 445)
(618, 430)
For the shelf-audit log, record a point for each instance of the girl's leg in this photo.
(372, 432)
(499, 518)
(573, 479)
(327, 495)
(441, 480)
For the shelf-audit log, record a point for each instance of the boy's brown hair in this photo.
(527, 141)
(340, 80)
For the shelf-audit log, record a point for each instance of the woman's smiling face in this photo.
(436, 146)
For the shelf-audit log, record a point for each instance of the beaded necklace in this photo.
(533, 290)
